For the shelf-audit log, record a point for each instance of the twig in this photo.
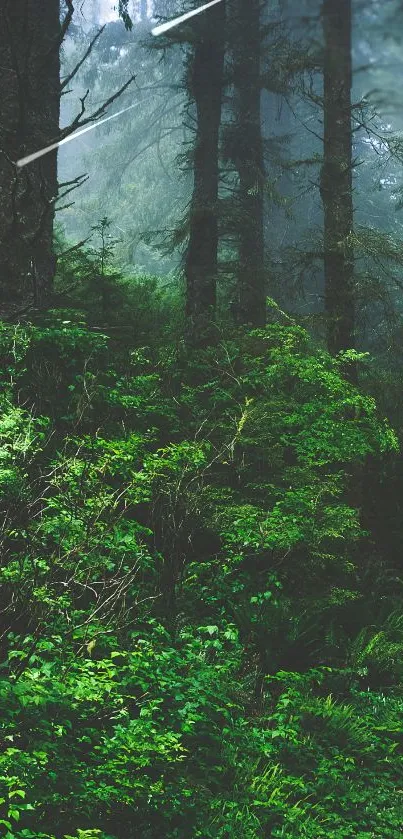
(79, 123)
(74, 72)
(74, 248)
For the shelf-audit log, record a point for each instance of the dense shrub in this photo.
(196, 637)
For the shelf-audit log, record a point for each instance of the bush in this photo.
(185, 592)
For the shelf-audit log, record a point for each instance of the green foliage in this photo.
(124, 14)
(185, 635)
(90, 290)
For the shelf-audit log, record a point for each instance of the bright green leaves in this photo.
(116, 732)
(179, 526)
(21, 437)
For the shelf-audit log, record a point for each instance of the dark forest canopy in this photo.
(201, 621)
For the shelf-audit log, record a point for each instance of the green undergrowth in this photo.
(199, 636)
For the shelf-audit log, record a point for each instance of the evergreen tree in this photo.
(336, 176)
(30, 38)
(205, 85)
(248, 157)
(201, 631)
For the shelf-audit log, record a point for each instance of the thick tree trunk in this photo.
(29, 119)
(206, 87)
(249, 161)
(336, 179)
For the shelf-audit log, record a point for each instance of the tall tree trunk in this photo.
(249, 160)
(205, 87)
(336, 178)
(143, 10)
(29, 119)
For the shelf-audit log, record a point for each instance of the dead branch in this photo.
(78, 66)
(79, 182)
(78, 122)
(73, 181)
(73, 248)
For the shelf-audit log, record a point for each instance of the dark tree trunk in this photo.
(249, 161)
(29, 119)
(205, 87)
(336, 178)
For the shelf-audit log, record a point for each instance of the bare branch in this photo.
(71, 250)
(73, 181)
(76, 120)
(79, 123)
(74, 72)
(74, 185)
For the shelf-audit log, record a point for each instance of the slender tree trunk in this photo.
(336, 179)
(206, 87)
(143, 10)
(29, 119)
(249, 160)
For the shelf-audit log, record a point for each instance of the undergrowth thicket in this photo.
(200, 636)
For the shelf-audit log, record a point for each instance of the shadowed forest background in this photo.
(201, 615)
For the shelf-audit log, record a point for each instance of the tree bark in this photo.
(29, 119)
(206, 88)
(336, 176)
(249, 161)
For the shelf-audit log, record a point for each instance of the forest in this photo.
(201, 410)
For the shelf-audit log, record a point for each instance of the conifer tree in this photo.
(336, 176)
(30, 38)
(248, 158)
(205, 87)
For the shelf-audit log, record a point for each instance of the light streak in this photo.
(165, 27)
(158, 30)
(30, 158)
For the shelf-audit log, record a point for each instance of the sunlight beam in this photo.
(158, 30)
(165, 27)
(30, 158)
